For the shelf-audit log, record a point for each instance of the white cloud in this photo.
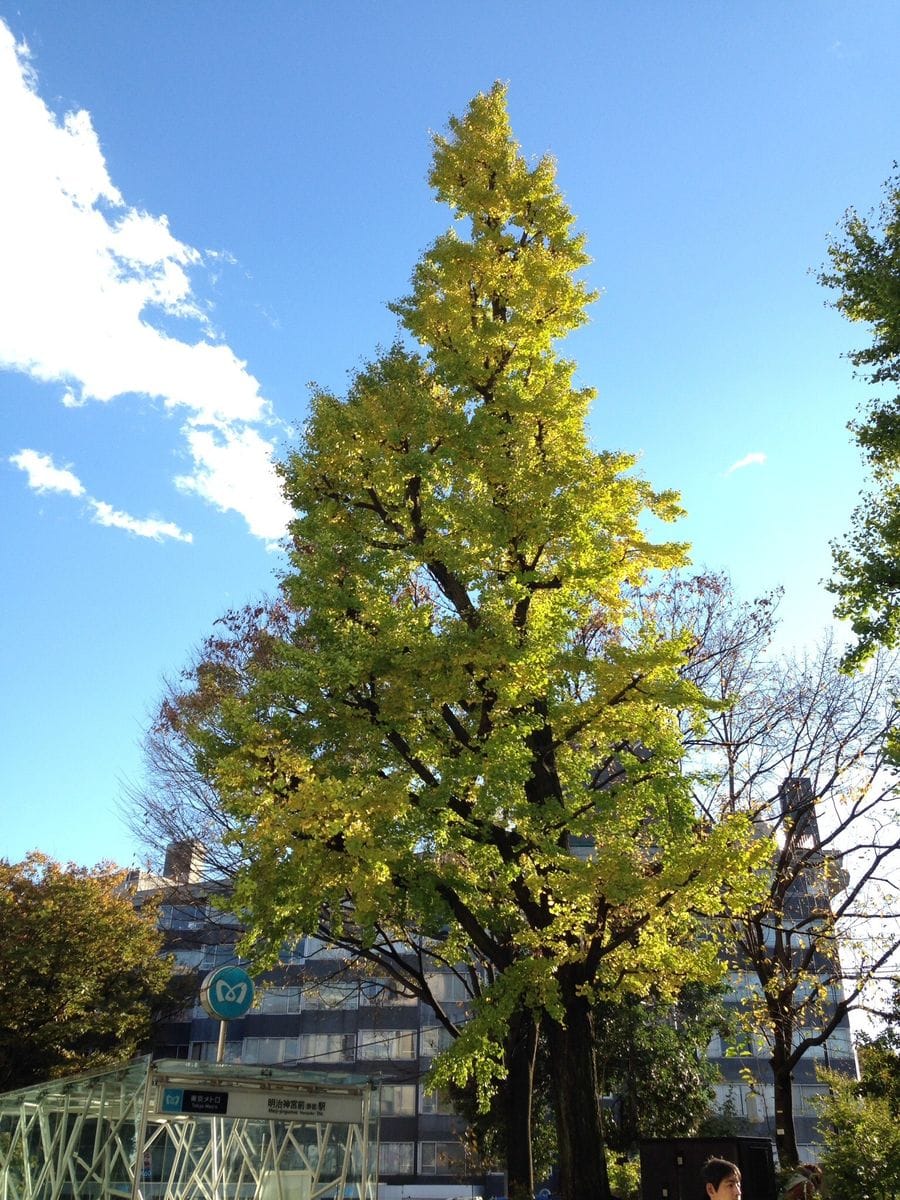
(232, 465)
(749, 460)
(147, 527)
(85, 275)
(44, 475)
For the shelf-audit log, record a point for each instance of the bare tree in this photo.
(802, 748)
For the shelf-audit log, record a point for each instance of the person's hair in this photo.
(714, 1170)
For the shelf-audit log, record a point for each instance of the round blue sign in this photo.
(227, 993)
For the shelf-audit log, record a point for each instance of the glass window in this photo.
(383, 993)
(330, 995)
(743, 986)
(397, 1158)
(436, 1103)
(225, 920)
(221, 955)
(278, 1000)
(442, 1158)
(386, 1043)
(182, 916)
(292, 954)
(446, 986)
(806, 1093)
(840, 1044)
(398, 1099)
(434, 1039)
(206, 1051)
(188, 958)
(316, 948)
(326, 1047)
(270, 1050)
(730, 1099)
(808, 1032)
(174, 1050)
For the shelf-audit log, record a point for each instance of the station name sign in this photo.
(274, 1105)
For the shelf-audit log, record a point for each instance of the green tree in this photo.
(80, 971)
(865, 272)
(879, 1057)
(653, 1062)
(861, 1156)
(423, 738)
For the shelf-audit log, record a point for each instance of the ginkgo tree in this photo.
(428, 736)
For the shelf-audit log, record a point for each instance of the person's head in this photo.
(722, 1179)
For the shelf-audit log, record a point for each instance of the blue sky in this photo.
(205, 206)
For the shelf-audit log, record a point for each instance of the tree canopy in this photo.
(80, 971)
(865, 272)
(861, 1156)
(444, 716)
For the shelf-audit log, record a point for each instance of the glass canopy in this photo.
(174, 1130)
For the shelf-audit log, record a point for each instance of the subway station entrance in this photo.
(175, 1130)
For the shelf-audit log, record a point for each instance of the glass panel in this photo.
(840, 1044)
(277, 1000)
(398, 1099)
(330, 995)
(446, 986)
(436, 1103)
(82, 1139)
(383, 993)
(326, 1047)
(433, 1039)
(396, 1158)
(442, 1158)
(269, 1050)
(386, 1043)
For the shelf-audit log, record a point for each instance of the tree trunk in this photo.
(518, 1095)
(785, 1135)
(576, 1093)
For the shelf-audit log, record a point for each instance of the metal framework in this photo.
(173, 1130)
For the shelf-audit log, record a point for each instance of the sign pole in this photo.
(226, 994)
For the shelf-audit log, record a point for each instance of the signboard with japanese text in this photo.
(274, 1105)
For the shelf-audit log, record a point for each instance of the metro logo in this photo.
(227, 993)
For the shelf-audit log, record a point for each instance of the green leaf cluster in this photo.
(865, 272)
